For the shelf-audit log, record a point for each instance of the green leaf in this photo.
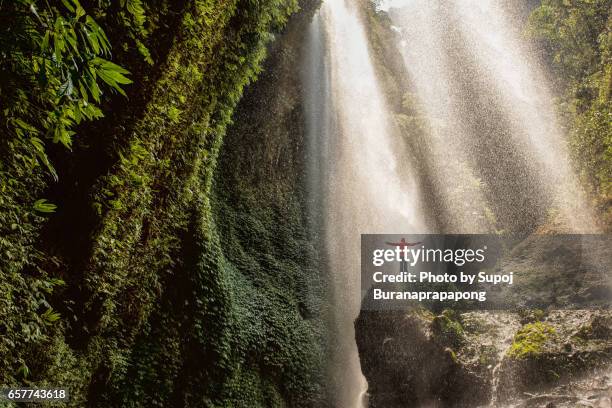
(135, 8)
(25, 126)
(109, 66)
(98, 34)
(68, 5)
(57, 282)
(92, 38)
(58, 47)
(80, 11)
(63, 136)
(45, 43)
(71, 38)
(23, 370)
(83, 90)
(111, 73)
(50, 316)
(66, 88)
(92, 85)
(43, 206)
(40, 152)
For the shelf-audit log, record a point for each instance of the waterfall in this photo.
(490, 145)
(366, 190)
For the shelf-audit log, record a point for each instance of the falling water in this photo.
(366, 191)
(318, 125)
(491, 117)
(493, 151)
(457, 187)
(489, 108)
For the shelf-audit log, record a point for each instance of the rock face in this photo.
(562, 349)
(557, 271)
(415, 358)
(553, 346)
(409, 359)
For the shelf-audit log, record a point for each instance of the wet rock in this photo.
(534, 357)
(410, 359)
(557, 354)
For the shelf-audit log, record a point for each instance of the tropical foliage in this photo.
(53, 65)
(576, 36)
(113, 280)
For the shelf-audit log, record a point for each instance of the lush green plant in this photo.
(576, 36)
(447, 328)
(52, 66)
(154, 298)
(54, 69)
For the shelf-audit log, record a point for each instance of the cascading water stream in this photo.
(522, 90)
(490, 115)
(425, 53)
(495, 152)
(365, 192)
(478, 83)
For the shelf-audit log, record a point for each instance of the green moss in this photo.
(530, 340)
(452, 355)
(487, 354)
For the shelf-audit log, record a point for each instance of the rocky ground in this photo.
(499, 359)
(555, 352)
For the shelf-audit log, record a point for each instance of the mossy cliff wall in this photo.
(190, 278)
(272, 258)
